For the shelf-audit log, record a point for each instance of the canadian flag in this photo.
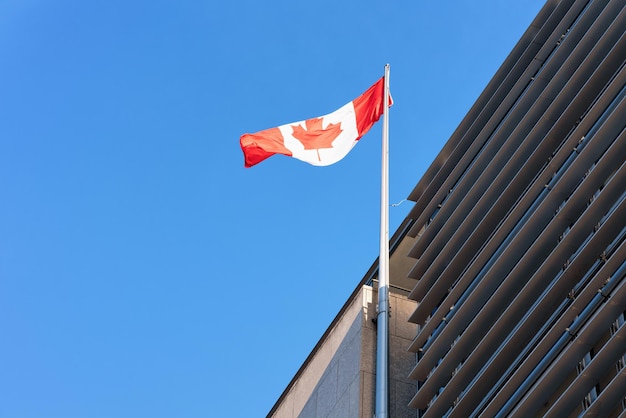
(319, 141)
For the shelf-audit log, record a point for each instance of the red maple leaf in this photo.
(315, 136)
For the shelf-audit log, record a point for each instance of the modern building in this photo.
(509, 274)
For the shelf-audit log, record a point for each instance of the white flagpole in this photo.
(382, 322)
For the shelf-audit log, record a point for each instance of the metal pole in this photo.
(382, 322)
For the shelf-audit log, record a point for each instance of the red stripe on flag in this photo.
(261, 145)
(369, 107)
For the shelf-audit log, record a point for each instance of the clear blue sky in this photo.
(143, 271)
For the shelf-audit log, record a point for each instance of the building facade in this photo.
(520, 225)
(509, 274)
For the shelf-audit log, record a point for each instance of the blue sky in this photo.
(143, 271)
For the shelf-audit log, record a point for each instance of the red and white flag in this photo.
(319, 141)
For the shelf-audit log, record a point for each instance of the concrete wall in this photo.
(339, 380)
